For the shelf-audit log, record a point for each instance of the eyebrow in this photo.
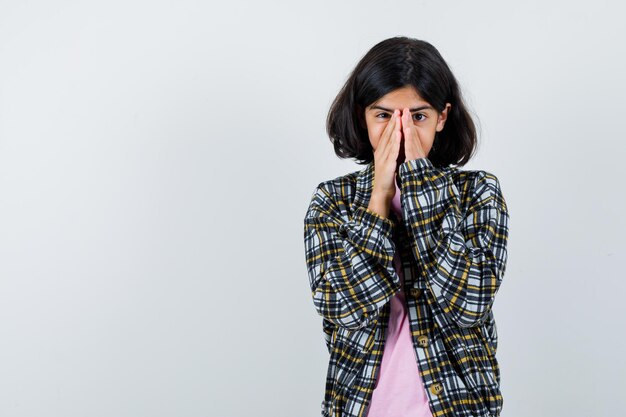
(426, 107)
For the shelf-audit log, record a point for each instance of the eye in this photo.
(381, 114)
(420, 114)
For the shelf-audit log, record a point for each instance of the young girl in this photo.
(406, 255)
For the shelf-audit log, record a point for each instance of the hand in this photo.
(385, 161)
(413, 148)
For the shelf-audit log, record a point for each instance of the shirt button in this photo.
(415, 292)
(436, 388)
(422, 340)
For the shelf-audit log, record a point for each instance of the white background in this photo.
(157, 159)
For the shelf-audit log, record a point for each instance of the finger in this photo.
(397, 132)
(393, 148)
(398, 125)
(391, 126)
(411, 135)
(388, 137)
(406, 123)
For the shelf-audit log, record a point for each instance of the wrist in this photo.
(380, 203)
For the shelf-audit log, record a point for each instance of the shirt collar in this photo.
(365, 184)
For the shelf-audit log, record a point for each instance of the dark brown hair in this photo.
(391, 64)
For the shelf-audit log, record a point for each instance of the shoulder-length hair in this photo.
(391, 64)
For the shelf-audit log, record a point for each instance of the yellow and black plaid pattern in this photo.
(452, 240)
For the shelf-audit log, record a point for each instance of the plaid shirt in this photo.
(452, 240)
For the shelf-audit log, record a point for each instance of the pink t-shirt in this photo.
(400, 391)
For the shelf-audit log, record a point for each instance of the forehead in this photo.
(399, 99)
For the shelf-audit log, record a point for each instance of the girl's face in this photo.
(426, 119)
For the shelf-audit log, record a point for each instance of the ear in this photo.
(443, 117)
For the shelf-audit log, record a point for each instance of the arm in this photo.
(349, 261)
(462, 258)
